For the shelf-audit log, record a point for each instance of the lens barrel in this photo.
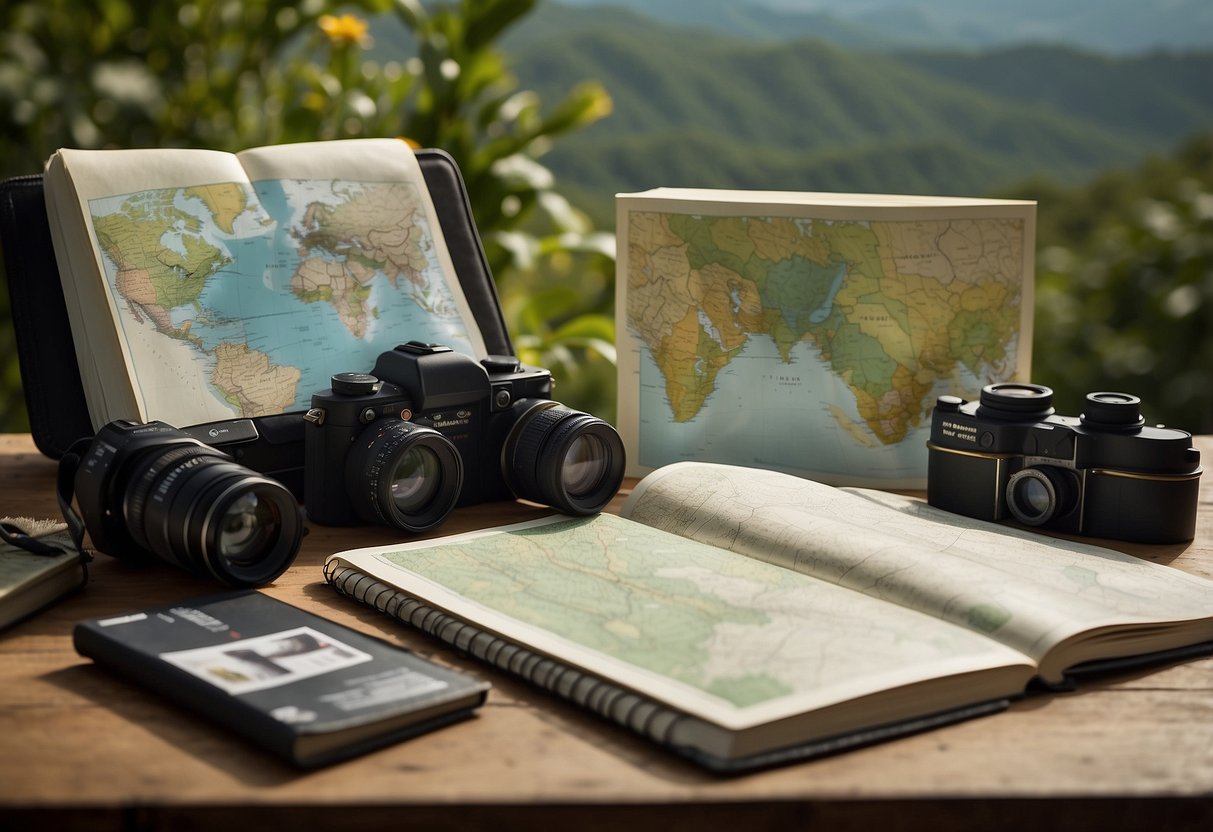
(1036, 496)
(563, 458)
(1012, 401)
(191, 506)
(1112, 412)
(403, 474)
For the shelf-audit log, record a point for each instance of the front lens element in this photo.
(249, 527)
(1036, 496)
(586, 463)
(402, 474)
(415, 480)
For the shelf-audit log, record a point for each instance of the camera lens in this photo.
(1037, 495)
(403, 475)
(248, 526)
(1112, 411)
(194, 507)
(415, 479)
(585, 463)
(1016, 402)
(566, 459)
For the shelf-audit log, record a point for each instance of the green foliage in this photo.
(1125, 287)
(231, 74)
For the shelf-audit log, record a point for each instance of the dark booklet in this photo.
(306, 688)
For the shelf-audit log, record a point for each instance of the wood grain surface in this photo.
(82, 749)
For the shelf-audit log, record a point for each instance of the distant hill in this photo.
(695, 107)
(1118, 26)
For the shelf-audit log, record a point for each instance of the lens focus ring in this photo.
(402, 474)
(569, 460)
(1036, 496)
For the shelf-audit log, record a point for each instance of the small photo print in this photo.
(267, 661)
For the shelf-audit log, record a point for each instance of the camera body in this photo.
(1105, 473)
(271, 445)
(430, 428)
(151, 491)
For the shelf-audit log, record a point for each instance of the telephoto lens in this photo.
(564, 458)
(149, 491)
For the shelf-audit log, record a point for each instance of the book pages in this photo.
(203, 286)
(731, 640)
(1057, 601)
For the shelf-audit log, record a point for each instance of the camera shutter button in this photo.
(986, 439)
(501, 364)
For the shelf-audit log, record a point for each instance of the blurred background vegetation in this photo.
(551, 108)
(232, 74)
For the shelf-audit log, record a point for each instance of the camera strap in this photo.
(14, 535)
(65, 490)
(26, 534)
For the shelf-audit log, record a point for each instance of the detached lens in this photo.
(404, 475)
(566, 459)
(194, 507)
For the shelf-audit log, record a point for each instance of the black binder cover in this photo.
(308, 689)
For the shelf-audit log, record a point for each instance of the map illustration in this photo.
(1029, 592)
(730, 629)
(257, 294)
(816, 346)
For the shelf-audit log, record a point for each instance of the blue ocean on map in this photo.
(769, 414)
(250, 301)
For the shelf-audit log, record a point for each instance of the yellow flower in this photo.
(344, 30)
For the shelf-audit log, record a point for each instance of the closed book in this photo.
(305, 688)
(32, 580)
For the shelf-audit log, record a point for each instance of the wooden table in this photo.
(81, 749)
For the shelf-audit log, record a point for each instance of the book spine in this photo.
(618, 704)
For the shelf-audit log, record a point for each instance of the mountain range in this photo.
(1118, 26)
(696, 106)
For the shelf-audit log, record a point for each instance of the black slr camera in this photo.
(429, 428)
(1105, 473)
(149, 491)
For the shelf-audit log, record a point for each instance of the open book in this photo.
(202, 286)
(745, 617)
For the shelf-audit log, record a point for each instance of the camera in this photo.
(1105, 473)
(429, 429)
(270, 445)
(149, 491)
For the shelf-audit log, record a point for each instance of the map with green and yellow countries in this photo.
(815, 346)
(257, 294)
(647, 608)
